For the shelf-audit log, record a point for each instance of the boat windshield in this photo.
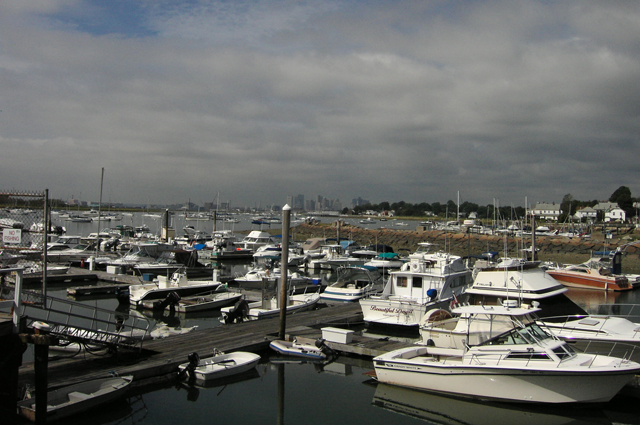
(531, 334)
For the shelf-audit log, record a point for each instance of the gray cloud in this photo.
(259, 100)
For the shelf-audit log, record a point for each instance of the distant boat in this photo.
(77, 398)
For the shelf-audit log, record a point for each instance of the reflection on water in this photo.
(439, 409)
(294, 391)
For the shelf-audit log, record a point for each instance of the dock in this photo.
(159, 358)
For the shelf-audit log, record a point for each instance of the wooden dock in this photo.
(159, 358)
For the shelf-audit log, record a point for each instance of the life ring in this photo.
(415, 267)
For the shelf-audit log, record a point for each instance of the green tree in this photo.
(622, 196)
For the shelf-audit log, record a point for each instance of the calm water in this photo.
(338, 393)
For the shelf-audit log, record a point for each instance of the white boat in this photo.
(525, 281)
(386, 260)
(218, 298)
(221, 365)
(77, 398)
(427, 281)
(353, 283)
(256, 239)
(299, 349)
(269, 308)
(177, 282)
(523, 364)
(256, 276)
(225, 245)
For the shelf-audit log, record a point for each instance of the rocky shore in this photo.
(551, 248)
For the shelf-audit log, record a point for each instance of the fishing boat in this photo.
(299, 349)
(221, 365)
(523, 364)
(163, 286)
(353, 283)
(428, 280)
(386, 260)
(77, 398)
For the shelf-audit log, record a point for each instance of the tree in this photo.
(622, 196)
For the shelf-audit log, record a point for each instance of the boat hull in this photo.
(581, 280)
(77, 398)
(505, 384)
(396, 311)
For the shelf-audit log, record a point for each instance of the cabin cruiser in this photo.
(256, 239)
(353, 283)
(427, 281)
(512, 358)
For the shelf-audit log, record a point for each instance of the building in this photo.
(547, 211)
(586, 213)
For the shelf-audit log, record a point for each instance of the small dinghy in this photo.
(299, 349)
(77, 398)
(220, 365)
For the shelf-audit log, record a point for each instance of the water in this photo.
(337, 393)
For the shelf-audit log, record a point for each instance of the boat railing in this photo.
(626, 311)
(624, 351)
(78, 322)
(565, 324)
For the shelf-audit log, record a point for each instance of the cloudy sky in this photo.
(388, 100)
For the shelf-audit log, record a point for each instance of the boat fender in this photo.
(432, 293)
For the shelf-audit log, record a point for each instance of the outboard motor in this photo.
(238, 313)
(122, 295)
(172, 299)
(194, 359)
(324, 347)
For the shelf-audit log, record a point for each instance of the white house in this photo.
(615, 214)
(586, 212)
(547, 211)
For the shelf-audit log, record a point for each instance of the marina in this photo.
(173, 337)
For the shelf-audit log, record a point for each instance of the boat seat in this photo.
(78, 396)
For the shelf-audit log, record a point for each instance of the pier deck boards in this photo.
(160, 357)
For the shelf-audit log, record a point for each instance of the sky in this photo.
(248, 102)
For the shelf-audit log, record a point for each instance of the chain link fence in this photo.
(24, 232)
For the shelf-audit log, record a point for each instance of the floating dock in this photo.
(159, 358)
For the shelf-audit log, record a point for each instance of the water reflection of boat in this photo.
(452, 411)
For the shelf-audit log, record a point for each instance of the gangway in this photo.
(76, 322)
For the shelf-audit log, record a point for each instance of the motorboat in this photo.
(427, 281)
(386, 260)
(602, 273)
(256, 239)
(299, 349)
(218, 298)
(353, 283)
(523, 364)
(259, 274)
(176, 283)
(268, 308)
(224, 245)
(221, 365)
(77, 398)
(504, 280)
(333, 256)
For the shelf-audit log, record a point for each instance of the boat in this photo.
(501, 280)
(224, 245)
(77, 398)
(268, 308)
(299, 349)
(525, 364)
(256, 239)
(603, 272)
(218, 298)
(353, 283)
(271, 273)
(177, 283)
(221, 365)
(386, 260)
(427, 281)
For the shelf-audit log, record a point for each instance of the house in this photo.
(547, 211)
(586, 212)
(615, 214)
